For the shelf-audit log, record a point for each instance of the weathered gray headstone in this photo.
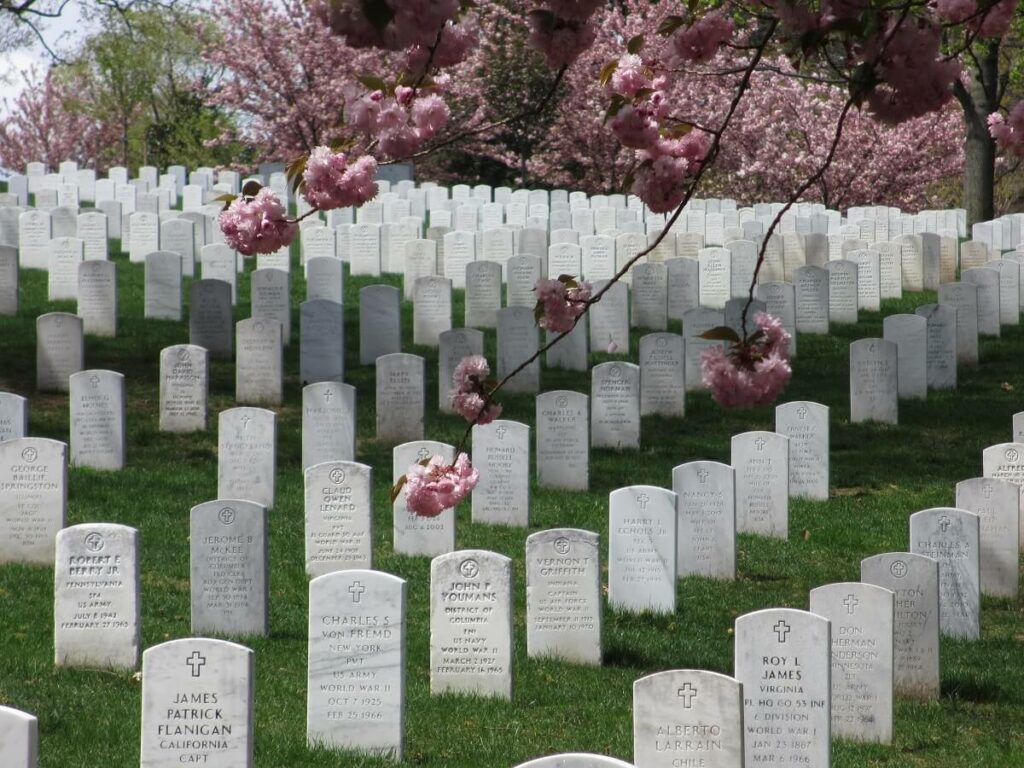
(682, 286)
(909, 333)
(695, 322)
(642, 549)
(328, 423)
(432, 310)
(356, 685)
(414, 534)
(571, 353)
(518, 341)
(179, 236)
(471, 643)
(941, 337)
(522, 272)
(914, 580)
(873, 381)
(862, 617)
(989, 305)
(806, 424)
(662, 375)
(812, 303)
(13, 416)
(229, 568)
(780, 302)
(687, 717)
(649, 306)
(483, 294)
(563, 595)
(706, 502)
(211, 324)
(197, 704)
(8, 280)
(951, 536)
(219, 262)
(615, 406)
(163, 286)
(453, 346)
(1009, 290)
(501, 454)
(997, 503)
(96, 597)
(33, 498)
(184, 387)
(869, 286)
(247, 455)
(62, 278)
(144, 235)
(963, 297)
(60, 350)
(609, 319)
(761, 462)
(321, 341)
(380, 322)
(270, 299)
(843, 291)
(714, 282)
(339, 517)
(783, 661)
(1006, 462)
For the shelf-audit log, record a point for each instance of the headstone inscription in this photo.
(339, 517)
(33, 498)
(247, 455)
(97, 404)
(951, 536)
(642, 533)
(706, 502)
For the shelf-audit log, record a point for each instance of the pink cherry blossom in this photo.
(1009, 132)
(431, 489)
(575, 10)
(750, 373)
(331, 181)
(430, 114)
(561, 305)
(560, 41)
(257, 225)
(699, 42)
(630, 76)
(955, 11)
(634, 127)
(995, 22)
(474, 408)
(471, 372)
(469, 396)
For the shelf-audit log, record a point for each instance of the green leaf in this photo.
(635, 44)
(397, 488)
(607, 71)
(755, 337)
(642, 93)
(538, 312)
(377, 12)
(676, 130)
(374, 83)
(616, 104)
(251, 188)
(294, 172)
(226, 199)
(627, 183)
(670, 25)
(721, 333)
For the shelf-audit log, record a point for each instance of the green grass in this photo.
(880, 475)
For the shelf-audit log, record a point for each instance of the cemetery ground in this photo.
(880, 475)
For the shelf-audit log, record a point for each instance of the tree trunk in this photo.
(979, 100)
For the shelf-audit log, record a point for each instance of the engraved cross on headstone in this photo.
(500, 432)
(986, 490)
(196, 661)
(944, 523)
(702, 475)
(245, 421)
(802, 412)
(687, 694)
(328, 395)
(642, 501)
(850, 602)
(760, 443)
(423, 453)
(781, 629)
(356, 590)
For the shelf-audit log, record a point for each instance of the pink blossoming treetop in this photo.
(889, 58)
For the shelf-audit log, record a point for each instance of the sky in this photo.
(60, 34)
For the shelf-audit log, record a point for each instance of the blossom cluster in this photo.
(433, 487)
(1008, 132)
(333, 180)
(390, 24)
(258, 224)
(400, 122)
(560, 302)
(562, 29)
(751, 372)
(469, 395)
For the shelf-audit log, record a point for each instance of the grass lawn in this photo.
(880, 475)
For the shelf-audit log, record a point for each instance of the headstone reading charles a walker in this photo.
(642, 549)
(914, 580)
(806, 424)
(862, 617)
(706, 502)
(951, 536)
(33, 498)
(761, 462)
(97, 404)
(563, 595)
(687, 717)
(211, 324)
(501, 455)
(229, 568)
(997, 503)
(60, 350)
(563, 442)
(96, 597)
(615, 406)
(415, 534)
(321, 341)
(471, 643)
(19, 739)
(247, 455)
(197, 704)
(183, 388)
(339, 517)
(873, 381)
(783, 661)
(355, 695)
